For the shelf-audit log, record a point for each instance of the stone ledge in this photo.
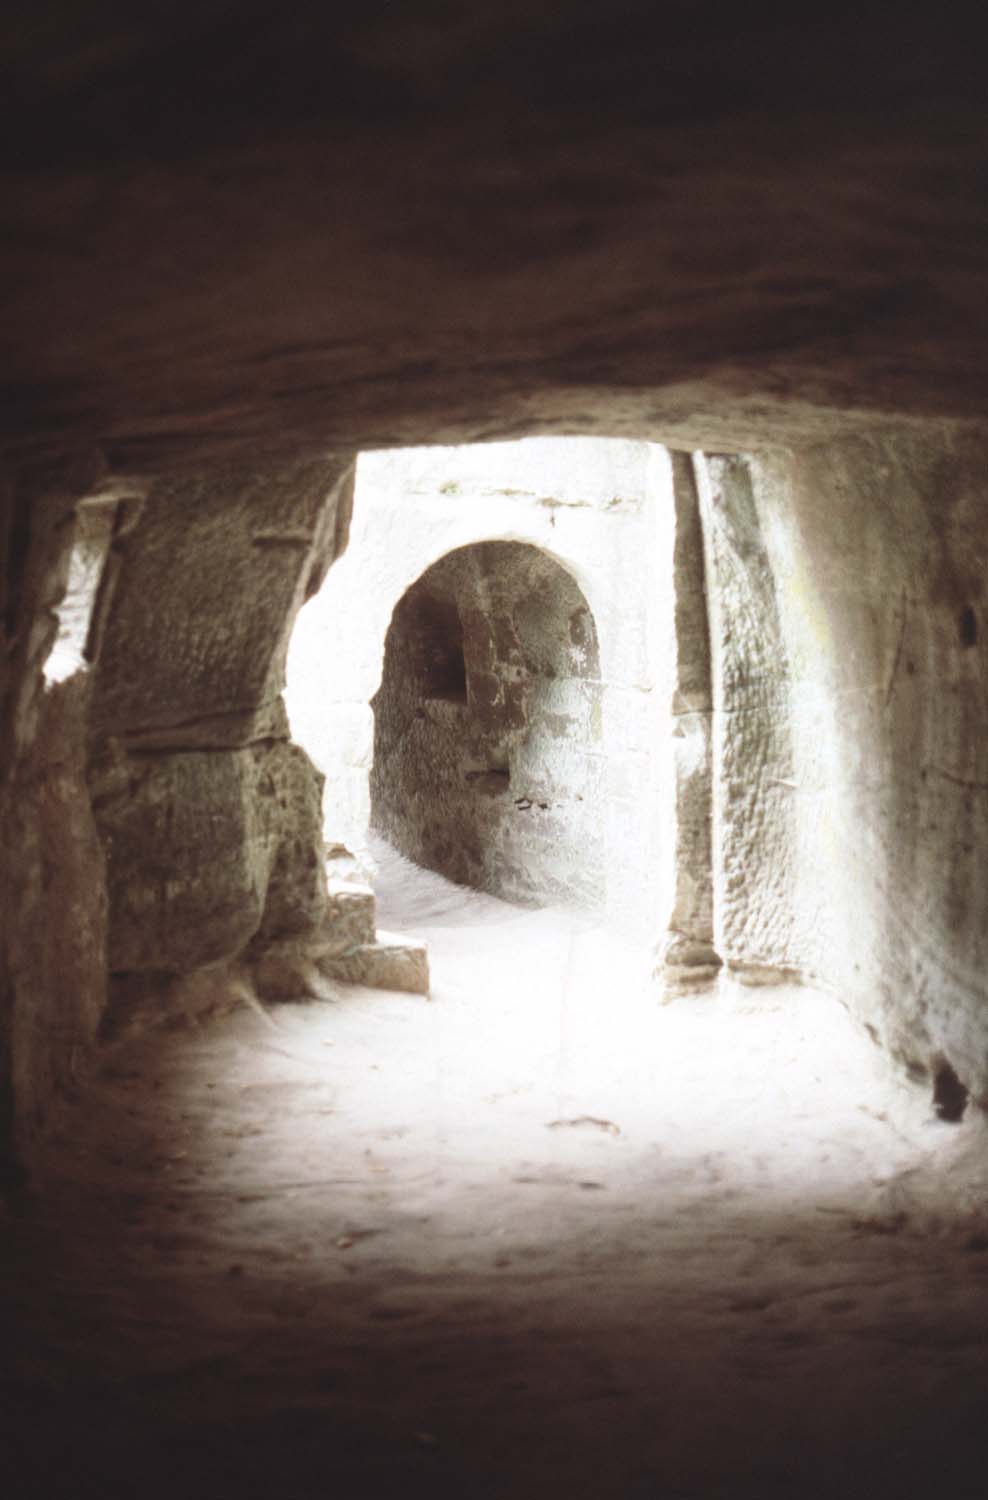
(392, 962)
(350, 919)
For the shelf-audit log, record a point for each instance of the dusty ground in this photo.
(541, 1236)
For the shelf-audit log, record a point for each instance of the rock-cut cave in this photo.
(489, 710)
(494, 752)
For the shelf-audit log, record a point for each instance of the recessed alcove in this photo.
(488, 740)
(431, 631)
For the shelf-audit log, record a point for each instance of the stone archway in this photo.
(488, 727)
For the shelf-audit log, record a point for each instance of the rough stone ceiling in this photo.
(233, 229)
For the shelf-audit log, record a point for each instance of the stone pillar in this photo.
(753, 779)
(689, 955)
(210, 818)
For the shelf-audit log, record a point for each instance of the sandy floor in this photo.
(539, 1236)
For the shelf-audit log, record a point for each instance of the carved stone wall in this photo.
(688, 949)
(208, 816)
(879, 557)
(753, 845)
(52, 930)
(601, 510)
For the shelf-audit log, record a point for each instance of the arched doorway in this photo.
(488, 737)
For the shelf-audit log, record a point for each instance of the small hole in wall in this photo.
(967, 626)
(949, 1094)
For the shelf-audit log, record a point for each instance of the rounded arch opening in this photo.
(488, 728)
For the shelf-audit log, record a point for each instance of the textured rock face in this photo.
(488, 727)
(689, 954)
(215, 569)
(753, 781)
(51, 883)
(878, 552)
(206, 849)
(210, 819)
(620, 219)
(62, 942)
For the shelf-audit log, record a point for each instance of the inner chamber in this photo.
(487, 727)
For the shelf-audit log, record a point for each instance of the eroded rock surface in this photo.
(210, 818)
(754, 781)
(688, 951)
(434, 226)
(878, 551)
(51, 877)
(487, 747)
(215, 570)
(205, 849)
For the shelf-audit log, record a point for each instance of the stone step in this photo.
(390, 962)
(289, 969)
(351, 918)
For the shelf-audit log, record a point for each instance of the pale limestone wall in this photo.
(754, 845)
(603, 511)
(689, 956)
(879, 550)
(209, 818)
